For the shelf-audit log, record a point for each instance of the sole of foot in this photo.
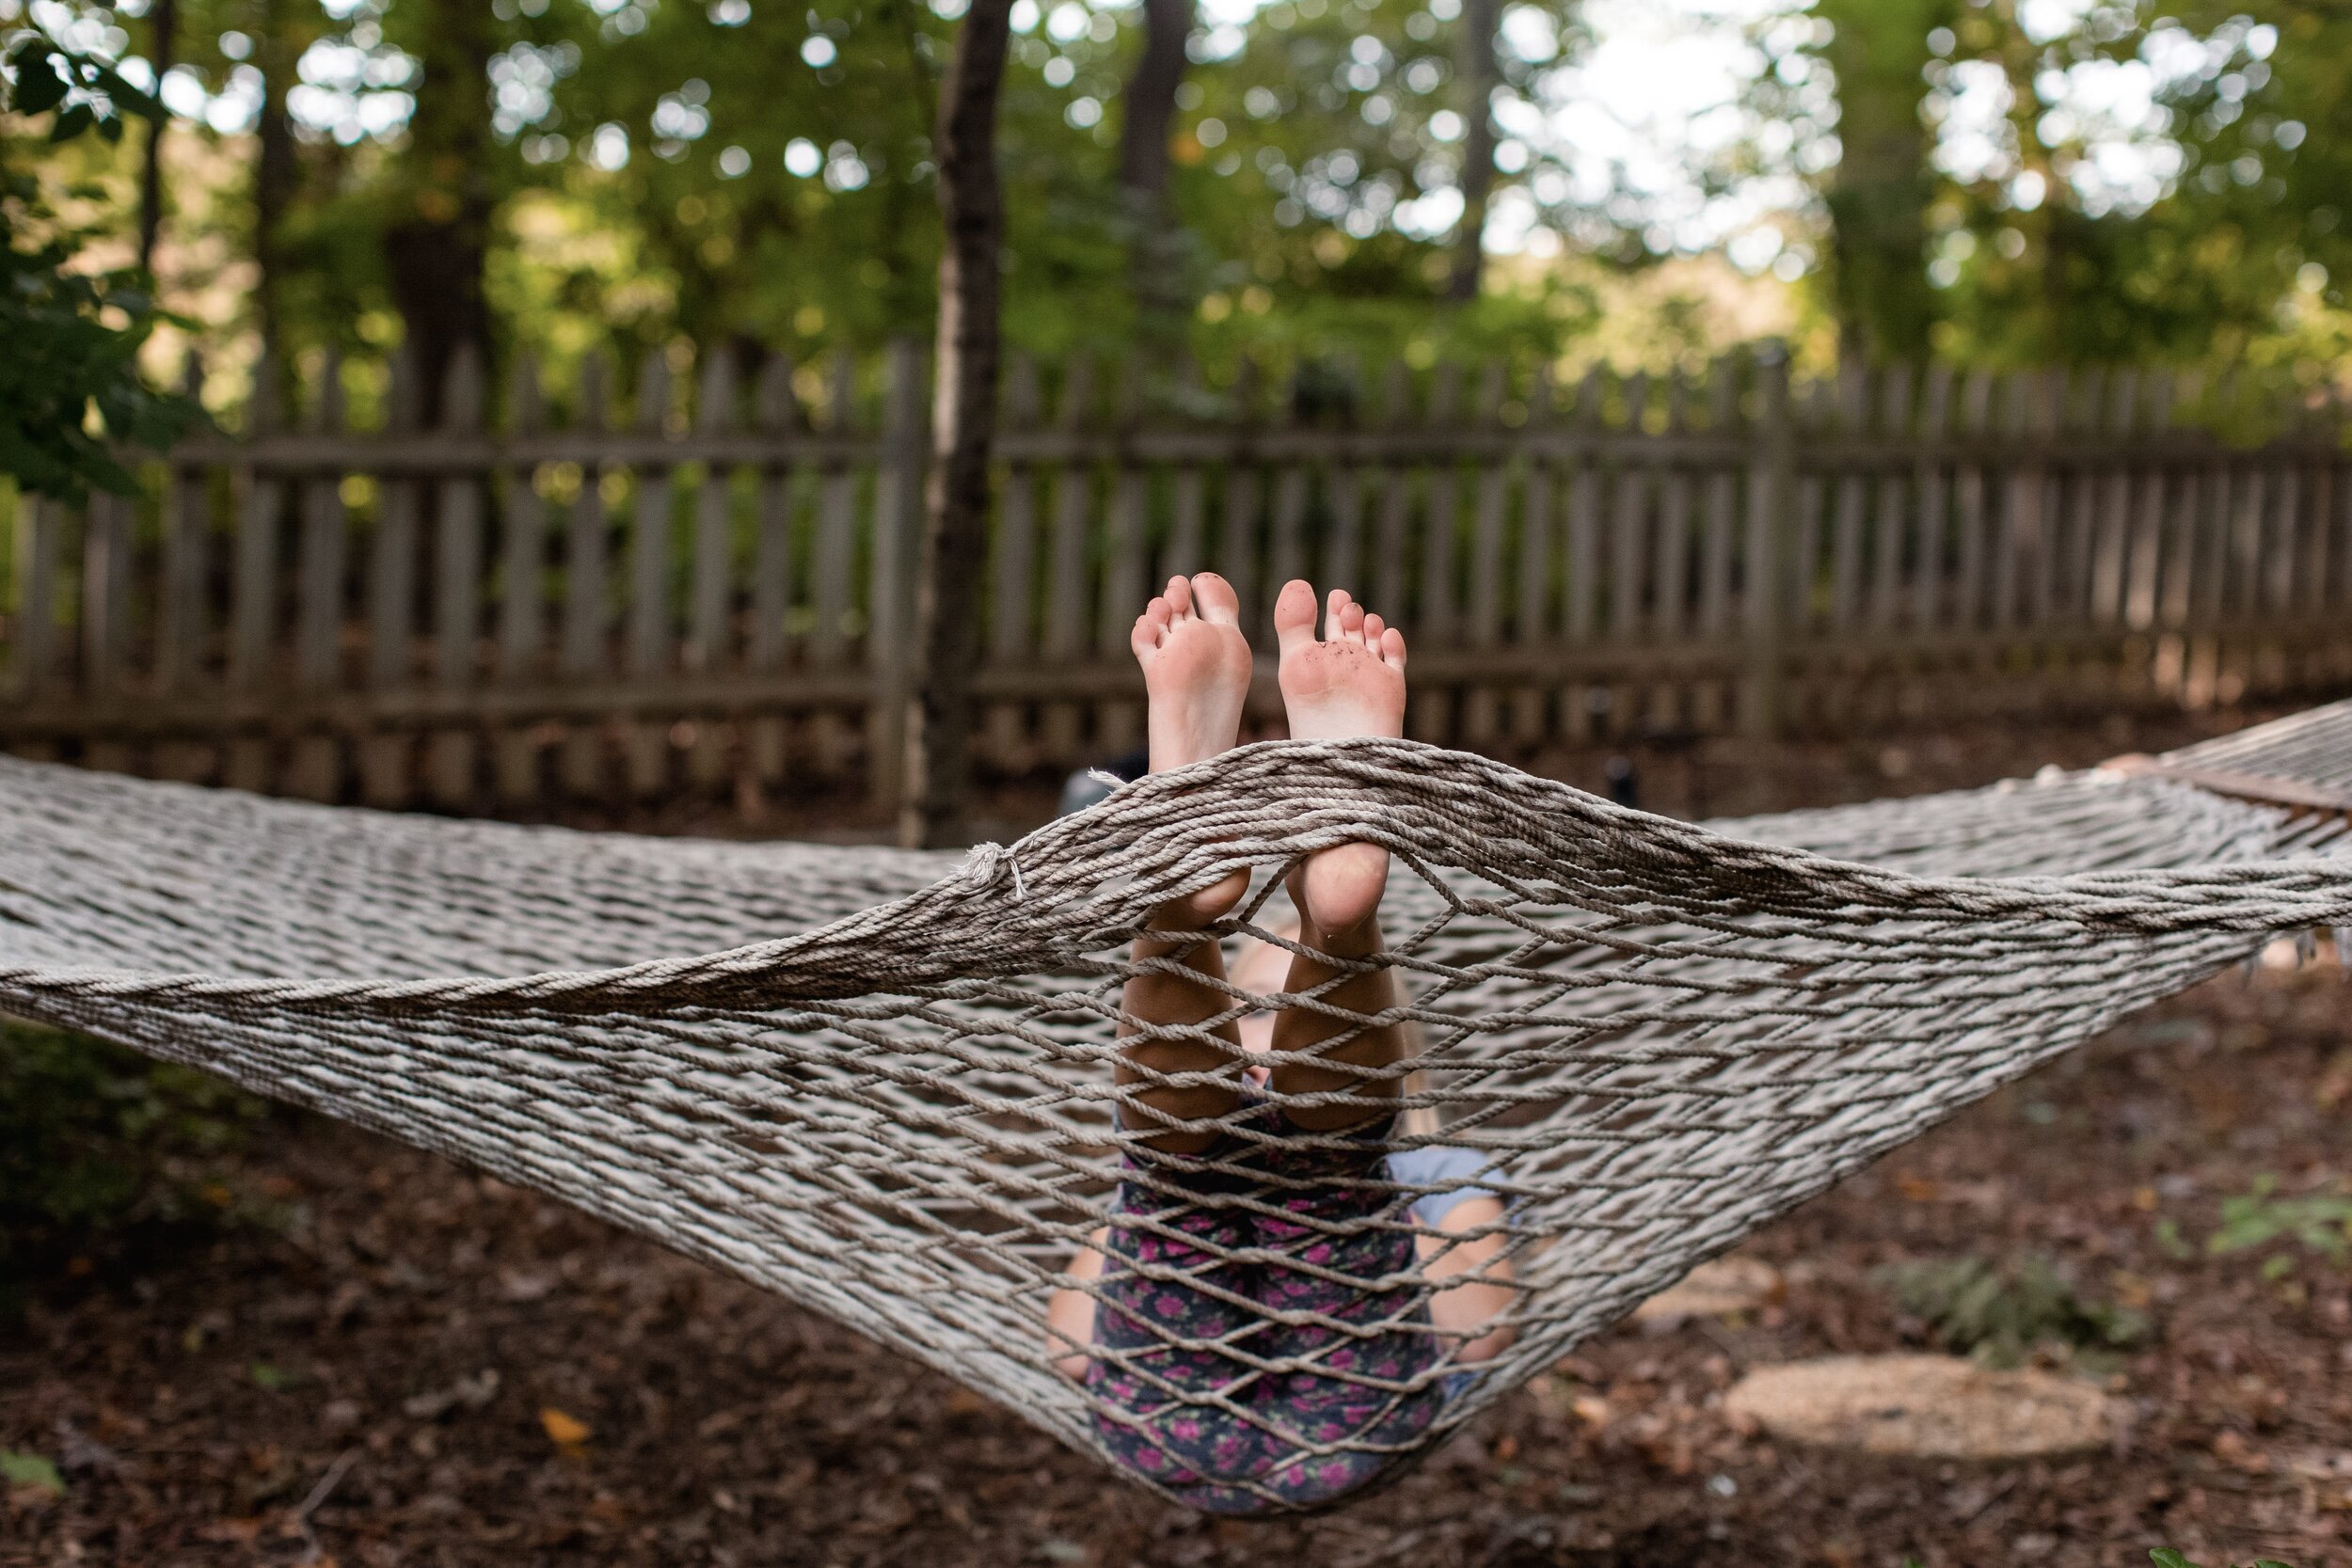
(1195, 669)
(1348, 682)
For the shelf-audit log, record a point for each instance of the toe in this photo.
(1213, 600)
(1295, 614)
(1179, 597)
(1151, 626)
(1348, 619)
(1391, 645)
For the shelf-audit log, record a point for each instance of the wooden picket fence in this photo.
(715, 591)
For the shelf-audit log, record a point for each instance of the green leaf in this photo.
(2165, 1557)
(29, 1469)
(41, 87)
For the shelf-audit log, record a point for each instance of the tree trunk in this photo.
(1479, 75)
(1878, 196)
(963, 426)
(1155, 252)
(439, 235)
(277, 179)
(162, 20)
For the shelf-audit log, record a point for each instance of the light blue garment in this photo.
(1436, 1166)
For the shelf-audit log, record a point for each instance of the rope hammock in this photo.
(1650, 1036)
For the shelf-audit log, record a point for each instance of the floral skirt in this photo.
(1185, 1331)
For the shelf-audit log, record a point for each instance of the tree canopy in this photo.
(2009, 181)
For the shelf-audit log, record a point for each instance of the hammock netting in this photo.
(880, 1082)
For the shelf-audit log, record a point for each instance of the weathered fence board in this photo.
(710, 587)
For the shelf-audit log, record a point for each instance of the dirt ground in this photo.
(404, 1363)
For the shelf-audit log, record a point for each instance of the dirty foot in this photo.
(1348, 682)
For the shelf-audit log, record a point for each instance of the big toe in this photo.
(1213, 599)
(1295, 614)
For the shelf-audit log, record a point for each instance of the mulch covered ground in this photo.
(393, 1361)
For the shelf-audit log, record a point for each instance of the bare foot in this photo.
(1196, 666)
(1348, 682)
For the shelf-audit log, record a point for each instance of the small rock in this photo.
(1924, 1406)
(1722, 1286)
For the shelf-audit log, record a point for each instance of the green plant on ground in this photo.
(2165, 1557)
(31, 1471)
(2000, 1312)
(2316, 1222)
(103, 1151)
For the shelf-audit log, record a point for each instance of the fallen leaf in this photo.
(30, 1471)
(566, 1431)
(2236, 1452)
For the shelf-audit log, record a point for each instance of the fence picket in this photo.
(1482, 622)
(1531, 624)
(523, 587)
(1062, 638)
(768, 640)
(1894, 487)
(1431, 715)
(708, 644)
(586, 614)
(1386, 577)
(181, 610)
(106, 568)
(253, 618)
(1722, 508)
(836, 558)
(39, 538)
(317, 768)
(452, 753)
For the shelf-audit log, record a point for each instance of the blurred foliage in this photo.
(1999, 1313)
(751, 171)
(70, 382)
(105, 1154)
(2040, 247)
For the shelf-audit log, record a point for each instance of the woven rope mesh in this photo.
(882, 1083)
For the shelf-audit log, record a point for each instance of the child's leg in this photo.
(1349, 682)
(1195, 668)
(1361, 1388)
(1472, 1278)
